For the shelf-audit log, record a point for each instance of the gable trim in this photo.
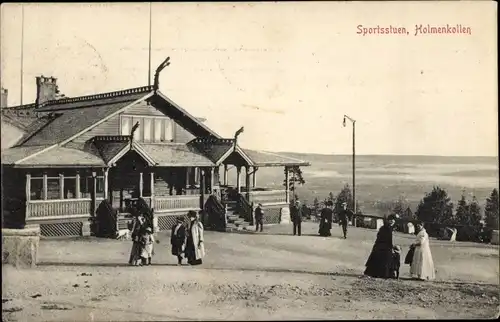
(106, 118)
(183, 111)
(230, 151)
(133, 147)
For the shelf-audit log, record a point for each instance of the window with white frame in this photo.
(125, 126)
(151, 129)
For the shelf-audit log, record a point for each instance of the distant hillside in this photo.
(383, 178)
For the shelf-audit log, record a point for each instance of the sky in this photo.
(287, 72)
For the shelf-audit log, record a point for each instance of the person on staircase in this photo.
(259, 217)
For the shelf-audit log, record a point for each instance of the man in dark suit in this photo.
(344, 216)
(259, 217)
(296, 214)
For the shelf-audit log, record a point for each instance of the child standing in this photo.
(147, 241)
(396, 261)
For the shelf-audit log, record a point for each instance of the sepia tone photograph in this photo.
(249, 161)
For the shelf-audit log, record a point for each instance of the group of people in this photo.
(326, 219)
(385, 258)
(186, 240)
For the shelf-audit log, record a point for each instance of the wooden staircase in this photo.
(235, 222)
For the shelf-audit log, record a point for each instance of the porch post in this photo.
(225, 174)
(247, 181)
(238, 179)
(287, 184)
(94, 193)
(28, 187)
(141, 184)
(202, 188)
(254, 177)
(152, 186)
(61, 186)
(44, 192)
(212, 179)
(77, 188)
(106, 189)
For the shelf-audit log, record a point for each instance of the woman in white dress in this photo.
(422, 265)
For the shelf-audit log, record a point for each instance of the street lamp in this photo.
(353, 162)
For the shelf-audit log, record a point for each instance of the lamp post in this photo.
(353, 162)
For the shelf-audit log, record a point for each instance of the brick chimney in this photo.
(3, 102)
(46, 89)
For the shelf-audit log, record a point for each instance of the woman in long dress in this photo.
(136, 229)
(195, 249)
(380, 260)
(422, 265)
(178, 239)
(325, 225)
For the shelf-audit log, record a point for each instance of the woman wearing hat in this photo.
(178, 239)
(195, 249)
(380, 260)
(136, 227)
(325, 225)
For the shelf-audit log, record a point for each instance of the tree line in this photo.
(435, 207)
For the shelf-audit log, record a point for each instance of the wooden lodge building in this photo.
(78, 166)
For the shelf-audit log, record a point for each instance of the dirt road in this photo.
(248, 276)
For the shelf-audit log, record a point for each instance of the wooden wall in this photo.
(112, 126)
(109, 127)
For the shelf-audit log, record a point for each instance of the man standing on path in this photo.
(296, 214)
(259, 217)
(344, 217)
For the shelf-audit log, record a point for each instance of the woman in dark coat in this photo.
(325, 224)
(178, 239)
(380, 260)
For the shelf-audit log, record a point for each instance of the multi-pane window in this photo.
(147, 129)
(36, 192)
(86, 187)
(151, 129)
(64, 187)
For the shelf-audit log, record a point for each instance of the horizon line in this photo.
(392, 154)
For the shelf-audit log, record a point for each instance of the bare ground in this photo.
(249, 277)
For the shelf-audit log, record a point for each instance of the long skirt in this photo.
(147, 251)
(379, 263)
(422, 266)
(135, 253)
(324, 229)
(190, 253)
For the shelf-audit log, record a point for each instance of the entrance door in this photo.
(124, 187)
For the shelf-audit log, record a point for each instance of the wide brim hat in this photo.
(191, 214)
(180, 218)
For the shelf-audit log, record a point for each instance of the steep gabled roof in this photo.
(188, 121)
(218, 150)
(72, 116)
(176, 155)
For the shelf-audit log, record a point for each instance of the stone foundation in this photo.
(20, 246)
